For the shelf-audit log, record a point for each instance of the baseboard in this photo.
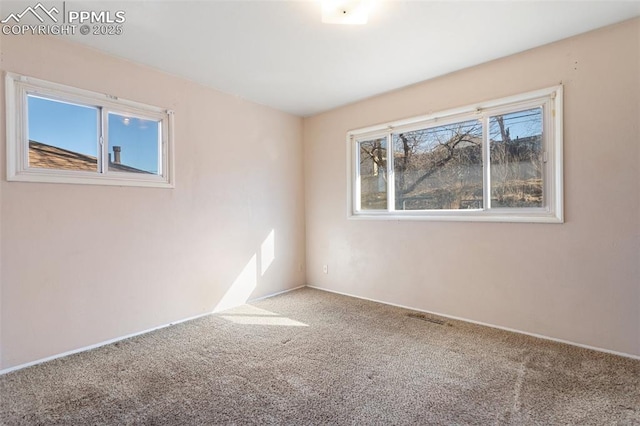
(539, 336)
(128, 336)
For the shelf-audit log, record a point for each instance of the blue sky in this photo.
(520, 124)
(75, 128)
(138, 139)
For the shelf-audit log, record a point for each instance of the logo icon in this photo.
(34, 11)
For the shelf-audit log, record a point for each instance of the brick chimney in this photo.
(116, 154)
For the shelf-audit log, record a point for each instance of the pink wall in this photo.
(83, 264)
(578, 281)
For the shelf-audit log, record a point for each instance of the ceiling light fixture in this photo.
(346, 12)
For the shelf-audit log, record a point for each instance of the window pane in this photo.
(62, 136)
(134, 144)
(439, 168)
(516, 159)
(373, 174)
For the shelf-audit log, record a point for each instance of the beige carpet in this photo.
(311, 357)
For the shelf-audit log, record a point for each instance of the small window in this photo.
(61, 134)
(500, 161)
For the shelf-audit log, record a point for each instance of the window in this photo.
(61, 134)
(498, 161)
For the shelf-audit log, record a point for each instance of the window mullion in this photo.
(546, 153)
(391, 187)
(161, 149)
(355, 146)
(486, 164)
(23, 123)
(104, 146)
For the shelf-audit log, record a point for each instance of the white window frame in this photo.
(550, 99)
(18, 87)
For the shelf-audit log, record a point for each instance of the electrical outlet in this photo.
(325, 269)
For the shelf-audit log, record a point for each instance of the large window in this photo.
(497, 161)
(57, 133)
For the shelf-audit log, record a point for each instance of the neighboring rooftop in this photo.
(45, 156)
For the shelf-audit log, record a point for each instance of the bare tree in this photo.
(443, 154)
(516, 166)
(441, 167)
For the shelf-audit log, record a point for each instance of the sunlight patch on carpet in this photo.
(250, 315)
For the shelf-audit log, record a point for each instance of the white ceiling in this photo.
(279, 54)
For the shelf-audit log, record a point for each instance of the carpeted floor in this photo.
(311, 357)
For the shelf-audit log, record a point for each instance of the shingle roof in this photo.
(52, 157)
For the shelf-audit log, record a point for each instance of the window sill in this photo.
(89, 179)
(456, 216)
